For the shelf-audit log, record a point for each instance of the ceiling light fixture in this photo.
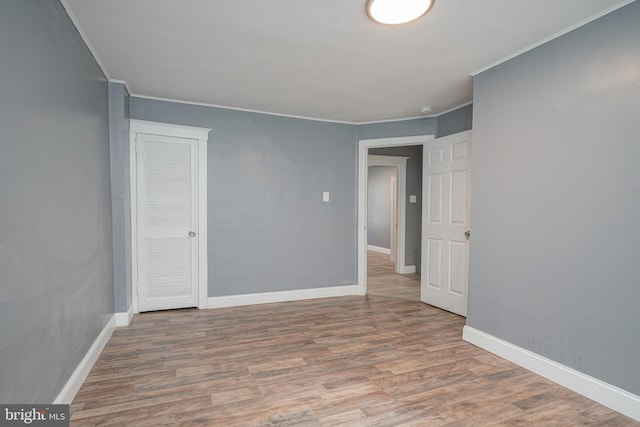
(394, 12)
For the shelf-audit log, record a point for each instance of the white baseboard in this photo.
(124, 318)
(283, 296)
(74, 383)
(606, 394)
(407, 269)
(379, 249)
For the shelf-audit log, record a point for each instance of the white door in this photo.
(167, 222)
(446, 187)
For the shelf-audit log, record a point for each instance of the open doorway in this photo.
(444, 233)
(386, 219)
(393, 230)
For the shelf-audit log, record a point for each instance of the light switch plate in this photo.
(325, 196)
(412, 198)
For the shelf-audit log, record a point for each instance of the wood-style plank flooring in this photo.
(379, 264)
(382, 279)
(348, 361)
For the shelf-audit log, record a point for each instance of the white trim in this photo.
(292, 116)
(407, 269)
(121, 82)
(73, 384)
(422, 116)
(400, 163)
(133, 194)
(168, 129)
(363, 156)
(379, 249)
(124, 318)
(179, 131)
(246, 110)
(393, 219)
(454, 108)
(396, 141)
(606, 394)
(83, 35)
(85, 39)
(284, 296)
(203, 260)
(401, 119)
(554, 36)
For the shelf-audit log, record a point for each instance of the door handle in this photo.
(192, 234)
(467, 234)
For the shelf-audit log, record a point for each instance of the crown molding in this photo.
(246, 110)
(453, 109)
(293, 116)
(122, 82)
(552, 37)
(83, 35)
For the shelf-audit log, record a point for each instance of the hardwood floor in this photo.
(382, 279)
(379, 264)
(403, 286)
(348, 361)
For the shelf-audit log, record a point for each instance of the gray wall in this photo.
(458, 120)
(556, 200)
(268, 227)
(56, 280)
(455, 121)
(379, 205)
(120, 197)
(426, 126)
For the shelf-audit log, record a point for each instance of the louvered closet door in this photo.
(167, 244)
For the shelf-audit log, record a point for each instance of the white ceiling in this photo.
(314, 58)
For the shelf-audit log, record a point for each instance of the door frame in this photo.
(363, 153)
(201, 135)
(394, 226)
(400, 164)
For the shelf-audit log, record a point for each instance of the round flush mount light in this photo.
(426, 110)
(394, 12)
